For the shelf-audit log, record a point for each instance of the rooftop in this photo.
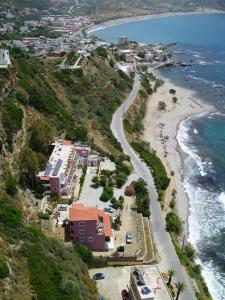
(79, 212)
(152, 282)
(59, 159)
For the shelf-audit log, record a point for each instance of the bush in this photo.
(10, 185)
(190, 252)
(154, 163)
(172, 91)
(10, 216)
(4, 270)
(173, 223)
(142, 198)
(129, 191)
(161, 105)
(107, 194)
(102, 52)
(87, 256)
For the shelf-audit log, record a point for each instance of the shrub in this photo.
(172, 91)
(129, 191)
(101, 51)
(161, 105)
(107, 194)
(4, 270)
(10, 216)
(173, 223)
(87, 256)
(10, 185)
(190, 252)
(142, 198)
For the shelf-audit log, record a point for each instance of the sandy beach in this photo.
(120, 21)
(162, 138)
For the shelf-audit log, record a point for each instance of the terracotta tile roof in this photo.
(67, 143)
(79, 212)
(44, 178)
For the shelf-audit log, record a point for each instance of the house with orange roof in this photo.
(90, 226)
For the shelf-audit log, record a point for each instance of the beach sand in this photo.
(119, 21)
(188, 104)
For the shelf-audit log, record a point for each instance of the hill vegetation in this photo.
(47, 102)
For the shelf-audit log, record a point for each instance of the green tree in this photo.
(42, 136)
(173, 223)
(180, 286)
(4, 270)
(101, 51)
(190, 252)
(161, 105)
(10, 185)
(171, 274)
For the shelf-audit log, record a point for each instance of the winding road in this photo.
(161, 237)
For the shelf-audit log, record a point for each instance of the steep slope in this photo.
(47, 102)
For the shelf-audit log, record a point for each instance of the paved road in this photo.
(162, 239)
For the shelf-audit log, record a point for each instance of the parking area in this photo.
(116, 279)
(129, 225)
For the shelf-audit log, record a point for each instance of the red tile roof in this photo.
(79, 212)
(44, 178)
(67, 143)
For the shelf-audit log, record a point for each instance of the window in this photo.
(81, 231)
(82, 239)
(90, 238)
(81, 224)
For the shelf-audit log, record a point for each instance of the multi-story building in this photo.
(122, 40)
(90, 226)
(63, 168)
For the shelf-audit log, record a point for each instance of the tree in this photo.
(173, 223)
(172, 91)
(190, 252)
(175, 100)
(171, 274)
(161, 105)
(180, 286)
(4, 270)
(10, 185)
(101, 51)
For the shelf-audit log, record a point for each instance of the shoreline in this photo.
(188, 105)
(126, 20)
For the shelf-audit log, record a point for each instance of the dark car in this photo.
(120, 248)
(98, 276)
(125, 295)
(108, 209)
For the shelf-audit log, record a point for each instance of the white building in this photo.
(4, 59)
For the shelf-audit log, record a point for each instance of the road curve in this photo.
(161, 237)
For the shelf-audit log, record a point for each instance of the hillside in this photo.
(41, 102)
(106, 9)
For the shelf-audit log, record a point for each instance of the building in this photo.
(146, 283)
(122, 40)
(63, 169)
(90, 226)
(4, 59)
(128, 53)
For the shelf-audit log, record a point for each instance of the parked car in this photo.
(120, 248)
(101, 298)
(128, 238)
(108, 209)
(125, 295)
(98, 276)
(62, 208)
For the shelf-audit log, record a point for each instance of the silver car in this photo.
(128, 238)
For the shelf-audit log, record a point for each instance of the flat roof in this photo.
(153, 280)
(59, 158)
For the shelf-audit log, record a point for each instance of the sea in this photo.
(200, 44)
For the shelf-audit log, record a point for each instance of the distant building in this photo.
(128, 53)
(90, 226)
(24, 29)
(122, 40)
(4, 59)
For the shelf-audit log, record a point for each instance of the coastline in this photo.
(125, 20)
(188, 105)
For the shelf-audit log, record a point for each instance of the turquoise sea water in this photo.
(201, 43)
